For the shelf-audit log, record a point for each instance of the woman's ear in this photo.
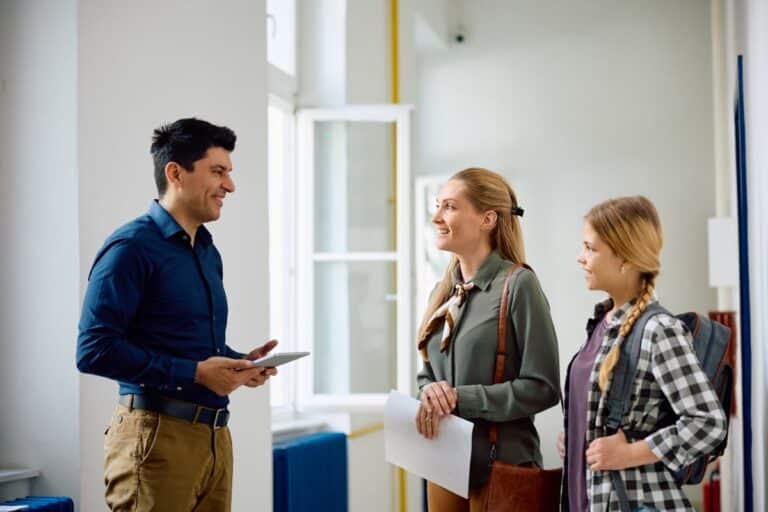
(489, 220)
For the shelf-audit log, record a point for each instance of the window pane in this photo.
(354, 327)
(354, 208)
(281, 34)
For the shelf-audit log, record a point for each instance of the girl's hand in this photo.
(614, 452)
(608, 453)
(561, 445)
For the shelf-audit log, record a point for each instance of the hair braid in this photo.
(613, 356)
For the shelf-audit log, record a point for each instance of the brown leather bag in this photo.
(512, 487)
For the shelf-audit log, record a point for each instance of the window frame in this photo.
(307, 400)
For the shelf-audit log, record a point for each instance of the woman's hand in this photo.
(561, 445)
(614, 452)
(427, 424)
(438, 398)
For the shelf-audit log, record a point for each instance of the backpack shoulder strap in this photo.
(620, 392)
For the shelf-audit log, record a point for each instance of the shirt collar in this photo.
(168, 225)
(485, 274)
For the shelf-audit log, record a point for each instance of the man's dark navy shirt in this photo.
(154, 307)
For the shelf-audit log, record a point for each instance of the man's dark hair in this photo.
(186, 141)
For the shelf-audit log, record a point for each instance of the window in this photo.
(281, 48)
(281, 35)
(353, 263)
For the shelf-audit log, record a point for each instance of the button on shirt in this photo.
(155, 306)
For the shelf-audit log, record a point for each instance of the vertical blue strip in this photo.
(746, 331)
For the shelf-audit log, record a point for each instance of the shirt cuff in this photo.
(468, 402)
(663, 446)
(183, 370)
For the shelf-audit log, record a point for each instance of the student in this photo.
(622, 242)
(477, 220)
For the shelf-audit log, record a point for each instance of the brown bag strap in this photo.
(501, 346)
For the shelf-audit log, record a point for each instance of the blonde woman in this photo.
(620, 256)
(477, 220)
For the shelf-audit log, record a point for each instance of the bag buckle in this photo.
(493, 454)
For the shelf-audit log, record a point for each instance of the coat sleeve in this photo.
(701, 423)
(537, 385)
(424, 377)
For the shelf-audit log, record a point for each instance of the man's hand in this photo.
(266, 372)
(223, 375)
(261, 377)
(262, 350)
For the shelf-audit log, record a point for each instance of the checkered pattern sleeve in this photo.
(701, 423)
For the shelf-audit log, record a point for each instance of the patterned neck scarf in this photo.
(449, 310)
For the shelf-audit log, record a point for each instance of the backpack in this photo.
(710, 344)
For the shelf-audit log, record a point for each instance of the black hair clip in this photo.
(518, 211)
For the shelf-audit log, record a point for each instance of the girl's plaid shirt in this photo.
(668, 376)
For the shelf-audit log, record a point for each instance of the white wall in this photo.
(576, 102)
(142, 64)
(39, 299)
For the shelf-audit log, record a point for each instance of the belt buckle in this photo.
(216, 419)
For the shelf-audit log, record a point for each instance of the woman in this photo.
(622, 242)
(477, 220)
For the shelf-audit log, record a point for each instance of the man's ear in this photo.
(489, 220)
(173, 172)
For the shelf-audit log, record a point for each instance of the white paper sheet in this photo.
(443, 460)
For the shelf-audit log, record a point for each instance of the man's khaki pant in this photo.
(161, 463)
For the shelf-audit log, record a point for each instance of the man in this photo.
(154, 319)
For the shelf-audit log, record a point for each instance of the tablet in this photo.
(278, 358)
